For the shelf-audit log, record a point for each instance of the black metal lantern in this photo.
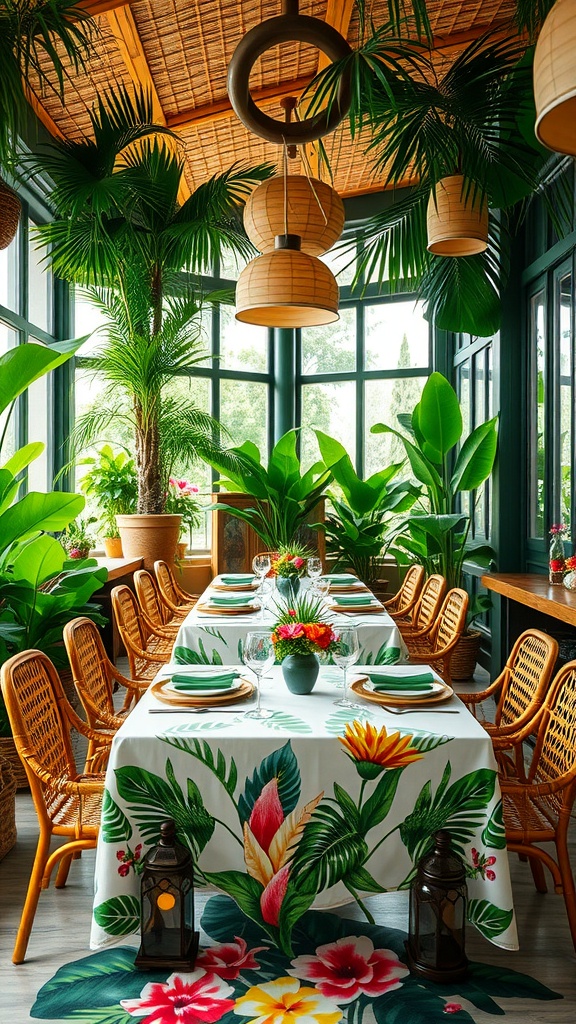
(167, 931)
(438, 898)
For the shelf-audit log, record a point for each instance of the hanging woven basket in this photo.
(457, 223)
(314, 211)
(555, 79)
(10, 209)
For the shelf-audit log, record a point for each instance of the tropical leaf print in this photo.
(337, 720)
(244, 889)
(459, 808)
(489, 920)
(330, 848)
(281, 765)
(188, 656)
(119, 915)
(424, 742)
(494, 835)
(202, 751)
(115, 825)
(380, 801)
(151, 800)
(289, 723)
(385, 655)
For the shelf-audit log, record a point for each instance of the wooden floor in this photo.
(61, 933)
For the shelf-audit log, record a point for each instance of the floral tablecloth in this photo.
(315, 806)
(207, 638)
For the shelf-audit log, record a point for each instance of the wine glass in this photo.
(265, 593)
(314, 568)
(322, 589)
(347, 654)
(259, 656)
(261, 565)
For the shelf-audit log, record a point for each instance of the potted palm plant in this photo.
(438, 536)
(121, 230)
(111, 483)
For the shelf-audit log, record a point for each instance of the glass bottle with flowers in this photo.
(299, 636)
(182, 500)
(556, 560)
(569, 580)
(289, 566)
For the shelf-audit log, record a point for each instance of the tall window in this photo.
(474, 386)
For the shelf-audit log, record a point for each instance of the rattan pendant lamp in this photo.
(292, 219)
(555, 79)
(457, 221)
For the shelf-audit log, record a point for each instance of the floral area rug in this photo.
(342, 970)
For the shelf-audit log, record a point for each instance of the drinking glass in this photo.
(261, 565)
(259, 656)
(314, 569)
(322, 589)
(265, 593)
(346, 654)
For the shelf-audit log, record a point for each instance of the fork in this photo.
(194, 711)
(418, 711)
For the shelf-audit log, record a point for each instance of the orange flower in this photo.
(319, 633)
(374, 751)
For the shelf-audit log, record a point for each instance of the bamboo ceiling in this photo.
(180, 50)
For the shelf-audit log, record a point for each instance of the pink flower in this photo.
(137, 851)
(290, 631)
(75, 553)
(350, 967)
(297, 562)
(120, 854)
(182, 999)
(124, 869)
(452, 1007)
(229, 958)
(490, 875)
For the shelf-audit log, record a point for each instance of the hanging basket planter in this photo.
(314, 211)
(555, 79)
(457, 223)
(10, 210)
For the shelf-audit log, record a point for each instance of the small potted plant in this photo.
(289, 567)
(77, 540)
(182, 500)
(111, 483)
(299, 636)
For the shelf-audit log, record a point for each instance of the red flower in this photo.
(556, 564)
(183, 999)
(120, 854)
(350, 967)
(298, 562)
(229, 958)
(490, 875)
(289, 631)
(452, 1007)
(320, 634)
(124, 869)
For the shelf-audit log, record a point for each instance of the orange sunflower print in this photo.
(373, 750)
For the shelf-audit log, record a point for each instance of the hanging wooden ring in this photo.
(283, 29)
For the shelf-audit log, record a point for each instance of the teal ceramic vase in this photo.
(300, 672)
(288, 587)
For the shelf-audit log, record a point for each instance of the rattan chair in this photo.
(437, 646)
(175, 599)
(405, 599)
(538, 807)
(67, 803)
(152, 606)
(94, 677)
(146, 648)
(426, 609)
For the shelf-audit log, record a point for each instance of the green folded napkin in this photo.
(239, 580)
(221, 682)
(421, 683)
(336, 577)
(348, 599)
(229, 601)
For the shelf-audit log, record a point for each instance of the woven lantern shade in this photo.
(555, 79)
(314, 211)
(457, 226)
(10, 209)
(287, 288)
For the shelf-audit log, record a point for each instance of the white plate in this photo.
(435, 687)
(217, 691)
(201, 670)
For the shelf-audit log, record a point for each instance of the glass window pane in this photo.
(383, 401)
(397, 336)
(537, 415)
(244, 412)
(566, 401)
(331, 348)
(242, 346)
(8, 340)
(88, 320)
(232, 265)
(38, 431)
(9, 274)
(331, 407)
(342, 263)
(39, 284)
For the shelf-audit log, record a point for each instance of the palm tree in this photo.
(121, 228)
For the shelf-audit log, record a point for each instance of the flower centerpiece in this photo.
(77, 539)
(299, 636)
(288, 567)
(556, 560)
(181, 500)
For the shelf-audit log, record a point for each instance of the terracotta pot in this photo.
(113, 547)
(181, 549)
(465, 656)
(150, 537)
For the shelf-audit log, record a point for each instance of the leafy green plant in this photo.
(447, 469)
(77, 539)
(359, 530)
(112, 484)
(284, 497)
(120, 226)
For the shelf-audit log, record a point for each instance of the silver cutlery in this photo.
(195, 711)
(419, 711)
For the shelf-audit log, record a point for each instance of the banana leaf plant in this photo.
(447, 469)
(284, 497)
(40, 589)
(360, 528)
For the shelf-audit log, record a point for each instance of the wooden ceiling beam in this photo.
(338, 14)
(221, 110)
(97, 7)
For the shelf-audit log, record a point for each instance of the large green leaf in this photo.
(476, 457)
(494, 834)
(24, 456)
(329, 849)
(119, 915)
(22, 365)
(281, 765)
(38, 560)
(439, 416)
(380, 801)
(82, 990)
(151, 800)
(244, 889)
(38, 512)
(489, 919)
(116, 827)
(423, 469)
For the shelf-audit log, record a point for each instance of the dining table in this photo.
(315, 806)
(214, 630)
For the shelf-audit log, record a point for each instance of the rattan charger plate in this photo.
(354, 608)
(394, 700)
(339, 588)
(243, 609)
(160, 691)
(231, 587)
